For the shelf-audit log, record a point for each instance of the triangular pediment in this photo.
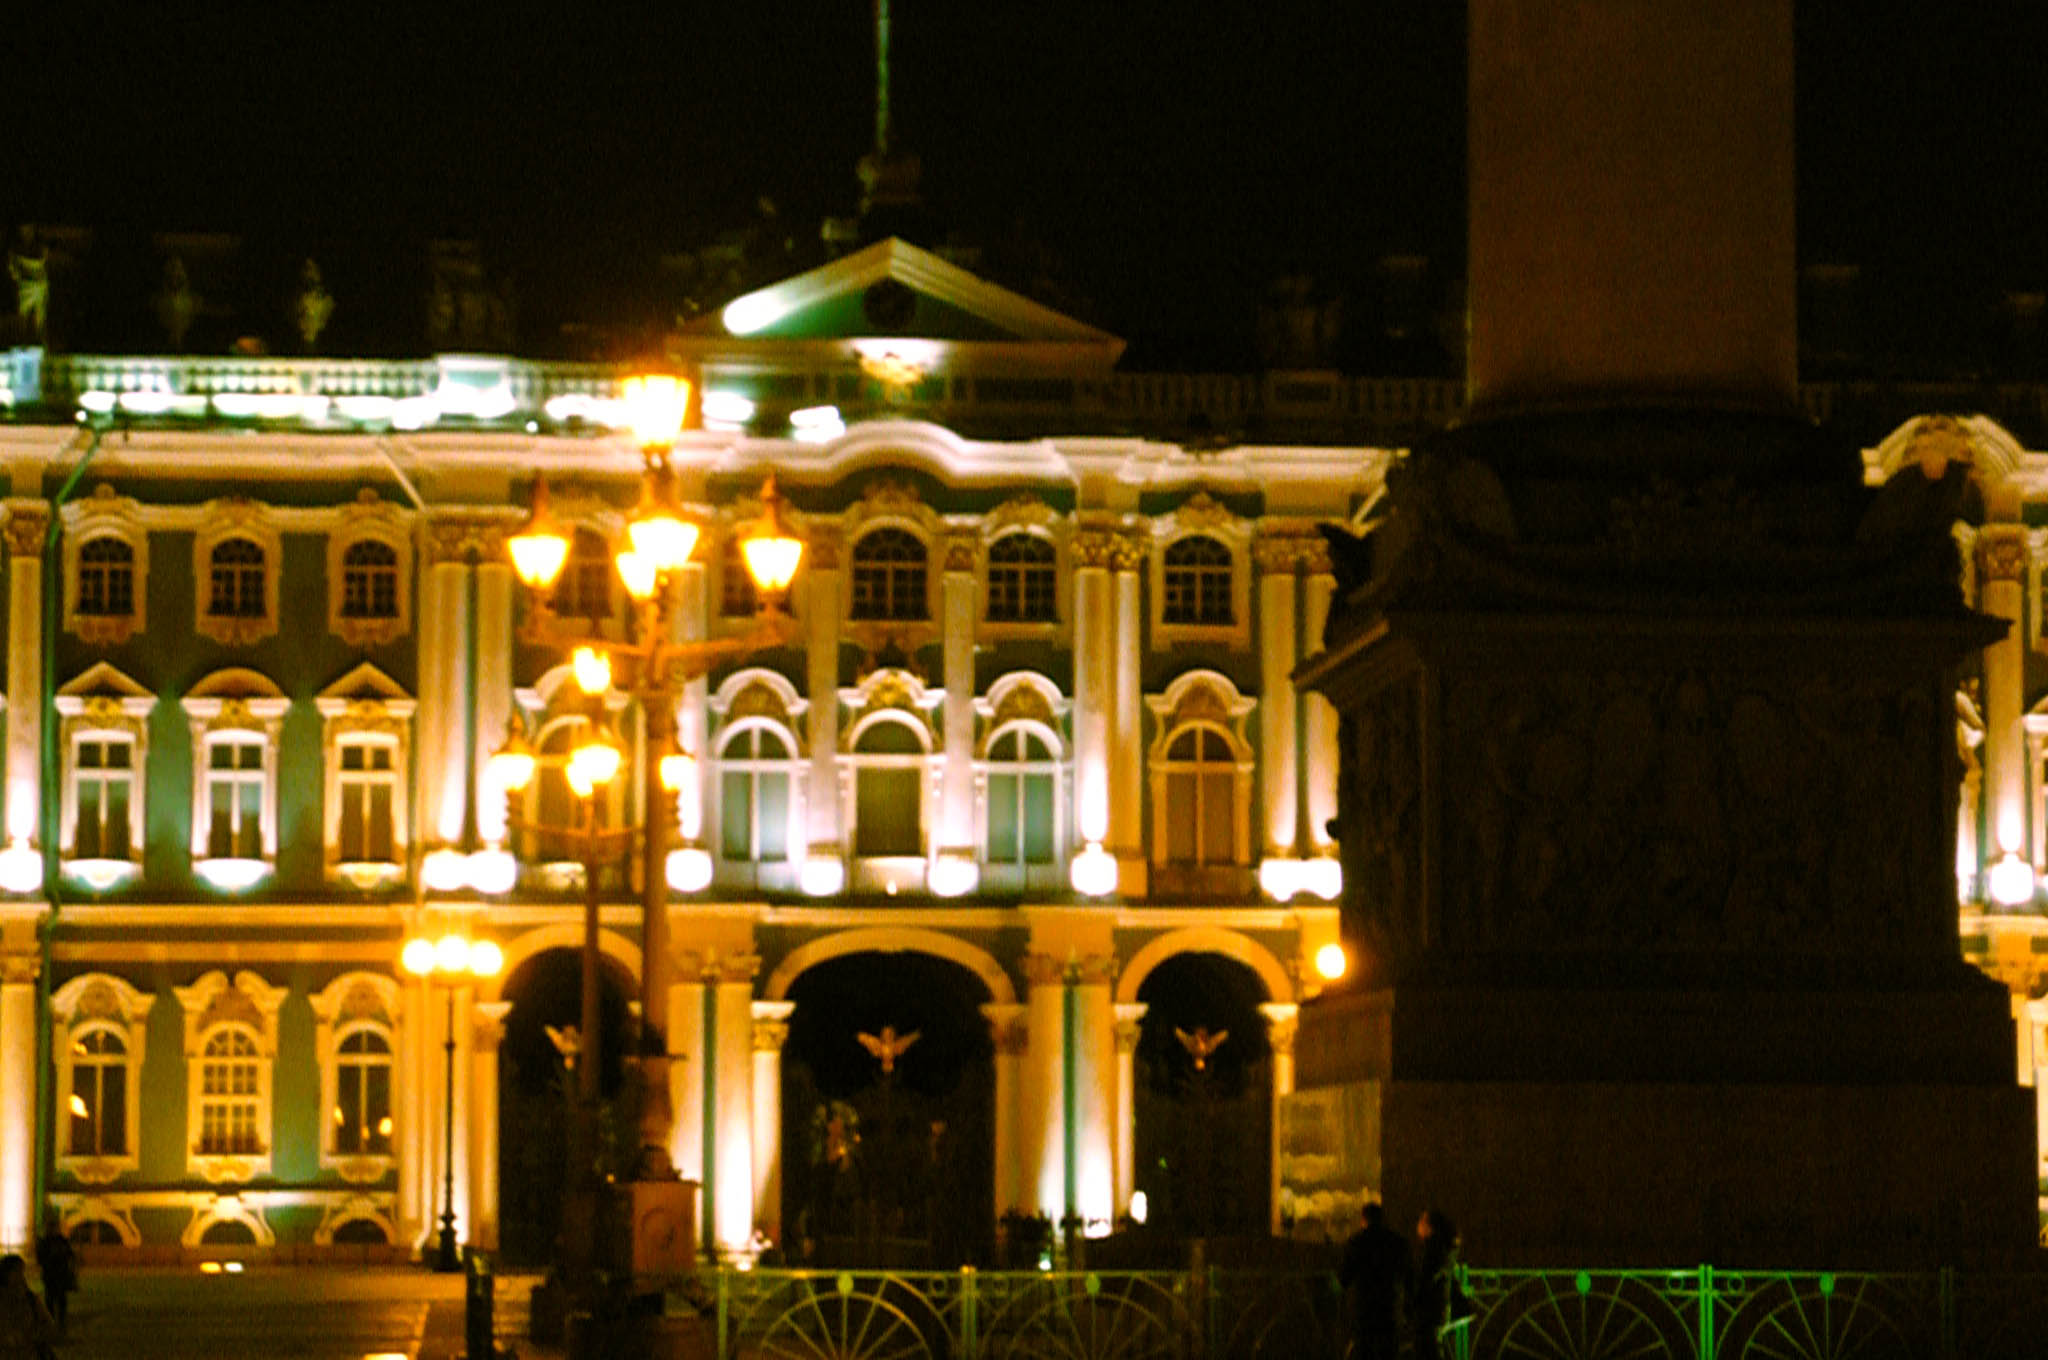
(103, 679)
(365, 682)
(892, 290)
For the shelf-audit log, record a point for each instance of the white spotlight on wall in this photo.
(1094, 871)
(689, 869)
(2012, 881)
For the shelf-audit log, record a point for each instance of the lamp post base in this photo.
(447, 1259)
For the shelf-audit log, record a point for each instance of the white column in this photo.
(771, 1031)
(494, 645)
(1093, 690)
(455, 1105)
(821, 617)
(18, 1099)
(1128, 1016)
(2001, 562)
(414, 1126)
(487, 1028)
(444, 698)
(1041, 1124)
(1007, 1032)
(27, 522)
(734, 1205)
(1281, 1017)
(1277, 654)
(956, 786)
(1095, 1104)
(686, 1079)
(1127, 721)
(1321, 746)
(693, 722)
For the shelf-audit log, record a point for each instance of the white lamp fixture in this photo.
(1323, 877)
(689, 869)
(1331, 963)
(21, 868)
(2011, 880)
(1093, 872)
(445, 871)
(1280, 879)
(823, 875)
(493, 871)
(953, 875)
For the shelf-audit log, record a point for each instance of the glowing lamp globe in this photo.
(2011, 881)
(655, 405)
(1331, 962)
(592, 669)
(1323, 877)
(639, 575)
(678, 771)
(689, 869)
(953, 876)
(21, 868)
(772, 551)
(485, 959)
(493, 871)
(445, 871)
(418, 957)
(823, 876)
(513, 764)
(1093, 872)
(658, 529)
(594, 764)
(540, 548)
(451, 954)
(1280, 879)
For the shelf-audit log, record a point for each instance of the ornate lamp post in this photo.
(652, 667)
(452, 960)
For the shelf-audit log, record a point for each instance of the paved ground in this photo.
(281, 1313)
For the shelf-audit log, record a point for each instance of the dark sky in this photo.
(1176, 155)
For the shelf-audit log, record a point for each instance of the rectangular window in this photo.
(234, 795)
(104, 780)
(889, 820)
(368, 788)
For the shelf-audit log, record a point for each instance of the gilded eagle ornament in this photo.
(1201, 1043)
(888, 1046)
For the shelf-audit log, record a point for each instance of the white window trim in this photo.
(352, 1002)
(105, 515)
(1202, 698)
(227, 706)
(366, 704)
(222, 520)
(1204, 517)
(101, 704)
(900, 697)
(1027, 700)
(210, 1004)
(369, 519)
(89, 1001)
(769, 872)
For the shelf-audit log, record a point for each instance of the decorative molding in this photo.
(224, 520)
(2001, 553)
(28, 527)
(458, 538)
(771, 1025)
(1093, 549)
(368, 707)
(247, 1002)
(104, 514)
(371, 519)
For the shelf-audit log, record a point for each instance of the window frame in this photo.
(1205, 700)
(1027, 873)
(214, 1005)
(102, 705)
(357, 1003)
(1202, 516)
(104, 515)
(891, 569)
(753, 869)
(225, 522)
(365, 707)
(370, 520)
(103, 1002)
(243, 708)
(991, 568)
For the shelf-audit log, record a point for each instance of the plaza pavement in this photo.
(283, 1313)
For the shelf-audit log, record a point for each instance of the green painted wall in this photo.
(295, 1094)
(163, 1089)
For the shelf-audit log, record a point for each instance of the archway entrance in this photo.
(1202, 1145)
(535, 1090)
(888, 1168)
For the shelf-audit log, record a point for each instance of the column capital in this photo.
(488, 1021)
(28, 523)
(1128, 1016)
(20, 968)
(1282, 1017)
(2001, 553)
(1081, 970)
(961, 550)
(1006, 1027)
(1093, 548)
(1127, 551)
(720, 969)
(771, 1025)
(449, 539)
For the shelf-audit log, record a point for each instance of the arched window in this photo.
(1023, 798)
(585, 588)
(757, 775)
(99, 1092)
(889, 766)
(362, 1097)
(230, 1093)
(889, 576)
(1022, 579)
(106, 578)
(1197, 582)
(1200, 771)
(369, 580)
(237, 580)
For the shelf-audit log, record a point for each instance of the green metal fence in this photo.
(1701, 1313)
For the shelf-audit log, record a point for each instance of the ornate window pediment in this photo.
(369, 573)
(230, 1057)
(103, 749)
(1201, 771)
(106, 568)
(356, 1018)
(236, 716)
(1201, 578)
(100, 1027)
(366, 742)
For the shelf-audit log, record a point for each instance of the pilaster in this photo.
(1008, 1034)
(1276, 558)
(1282, 1018)
(1129, 1014)
(731, 1080)
(1319, 793)
(444, 683)
(821, 650)
(1094, 693)
(494, 647)
(18, 972)
(487, 1032)
(956, 787)
(771, 1031)
(1127, 726)
(27, 524)
(2001, 553)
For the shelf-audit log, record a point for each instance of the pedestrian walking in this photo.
(57, 1259)
(1438, 1297)
(1374, 1272)
(27, 1330)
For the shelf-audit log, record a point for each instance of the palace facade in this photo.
(263, 636)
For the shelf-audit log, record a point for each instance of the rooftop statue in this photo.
(313, 306)
(28, 264)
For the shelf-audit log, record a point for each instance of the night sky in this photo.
(1174, 157)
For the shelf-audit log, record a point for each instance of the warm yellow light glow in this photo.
(772, 551)
(445, 871)
(451, 955)
(1093, 873)
(678, 770)
(418, 957)
(638, 573)
(209, 1267)
(655, 406)
(2011, 881)
(953, 876)
(21, 868)
(595, 763)
(1140, 1206)
(689, 869)
(384, 1126)
(493, 871)
(540, 547)
(659, 530)
(592, 669)
(339, 1117)
(1330, 962)
(485, 958)
(78, 1106)
(513, 763)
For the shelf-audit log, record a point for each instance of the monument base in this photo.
(1774, 1135)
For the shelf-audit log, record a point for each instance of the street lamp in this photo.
(452, 960)
(651, 666)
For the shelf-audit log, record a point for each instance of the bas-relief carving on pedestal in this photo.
(1380, 781)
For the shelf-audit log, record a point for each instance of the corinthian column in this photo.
(444, 685)
(1007, 1032)
(487, 1033)
(1041, 1125)
(1127, 726)
(2001, 566)
(1281, 1018)
(821, 619)
(1276, 558)
(955, 839)
(27, 523)
(771, 1031)
(18, 971)
(1128, 1016)
(1094, 692)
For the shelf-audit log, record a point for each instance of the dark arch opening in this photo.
(535, 1093)
(228, 1232)
(95, 1232)
(360, 1232)
(888, 1169)
(1203, 1139)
